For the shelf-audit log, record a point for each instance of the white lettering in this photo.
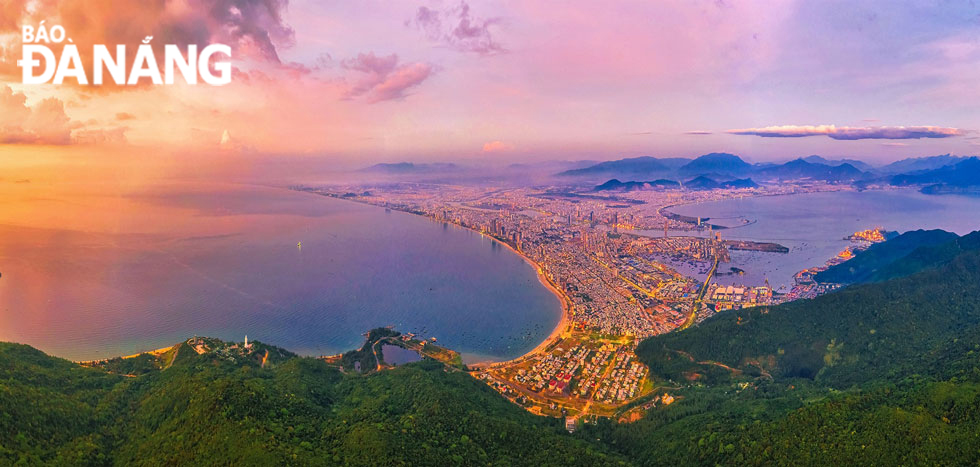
(224, 68)
(116, 66)
(188, 67)
(28, 63)
(144, 66)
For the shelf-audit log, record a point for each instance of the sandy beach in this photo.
(563, 324)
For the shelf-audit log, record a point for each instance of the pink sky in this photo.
(366, 81)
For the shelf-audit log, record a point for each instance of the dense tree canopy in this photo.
(879, 373)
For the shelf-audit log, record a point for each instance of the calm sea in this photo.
(813, 225)
(133, 271)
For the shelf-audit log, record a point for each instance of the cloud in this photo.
(457, 29)
(851, 133)
(100, 136)
(122, 116)
(382, 78)
(497, 146)
(255, 29)
(895, 144)
(45, 123)
(697, 132)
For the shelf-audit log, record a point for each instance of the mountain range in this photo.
(936, 174)
(801, 169)
(939, 174)
(860, 165)
(962, 175)
(633, 165)
(700, 182)
(724, 166)
(917, 164)
(716, 163)
(616, 185)
(411, 168)
(705, 183)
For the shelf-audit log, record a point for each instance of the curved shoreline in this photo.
(566, 310)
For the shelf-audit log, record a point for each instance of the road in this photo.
(605, 374)
(696, 305)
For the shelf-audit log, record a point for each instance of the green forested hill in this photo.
(877, 374)
(886, 373)
(215, 410)
(866, 264)
(860, 333)
(928, 256)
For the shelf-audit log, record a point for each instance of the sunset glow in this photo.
(357, 82)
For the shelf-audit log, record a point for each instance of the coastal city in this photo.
(624, 266)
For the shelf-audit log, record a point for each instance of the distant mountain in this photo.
(411, 168)
(632, 165)
(919, 164)
(717, 162)
(616, 185)
(860, 165)
(962, 175)
(674, 163)
(704, 183)
(739, 183)
(552, 165)
(701, 183)
(800, 168)
(865, 264)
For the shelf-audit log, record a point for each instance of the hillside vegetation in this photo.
(869, 264)
(884, 373)
(221, 408)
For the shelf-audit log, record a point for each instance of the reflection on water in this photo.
(395, 355)
(143, 269)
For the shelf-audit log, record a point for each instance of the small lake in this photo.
(395, 355)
